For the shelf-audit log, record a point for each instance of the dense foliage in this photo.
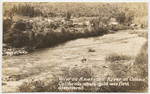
(124, 12)
(34, 35)
(39, 33)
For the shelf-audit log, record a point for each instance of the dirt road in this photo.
(47, 62)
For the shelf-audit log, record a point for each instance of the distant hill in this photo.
(136, 12)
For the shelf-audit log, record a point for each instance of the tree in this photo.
(121, 17)
(68, 16)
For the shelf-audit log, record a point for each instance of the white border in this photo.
(1, 29)
(75, 1)
(71, 1)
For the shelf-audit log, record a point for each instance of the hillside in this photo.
(138, 10)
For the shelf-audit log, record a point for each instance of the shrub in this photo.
(122, 69)
(78, 72)
(21, 26)
(52, 86)
(37, 34)
(6, 25)
(17, 39)
(26, 10)
(121, 27)
(121, 17)
(53, 25)
(116, 57)
(38, 86)
(143, 34)
(141, 61)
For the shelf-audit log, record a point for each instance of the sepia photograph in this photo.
(74, 47)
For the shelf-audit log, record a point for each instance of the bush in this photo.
(6, 25)
(17, 36)
(38, 86)
(141, 61)
(116, 57)
(52, 86)
(122, 69)
(121, 27)
(77, 72)
(141, 68)
(37, 34)
(17, 39)
(121, 17)
(25, 10)
(20, 26)
(143, 34)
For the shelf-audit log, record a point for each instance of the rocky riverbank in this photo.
(10, 51)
